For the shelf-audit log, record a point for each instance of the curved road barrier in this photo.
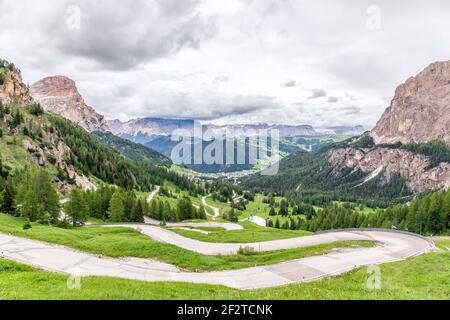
(395, 246)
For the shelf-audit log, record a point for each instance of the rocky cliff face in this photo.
(60, 95)
(420, 110)
(387, 162)
(14, 90)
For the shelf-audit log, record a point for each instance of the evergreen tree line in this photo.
(107, 203)
(428, 215)
(184, 210)
(300, 209)
(438, 151)
(31, 194)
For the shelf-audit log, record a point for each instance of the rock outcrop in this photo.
(413, 167)
(59, 94)
(420, 110)
(14, 90)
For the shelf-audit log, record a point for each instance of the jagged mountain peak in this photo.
(60, 95)
(420, 110)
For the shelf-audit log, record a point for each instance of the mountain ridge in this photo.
(420, 109)
(60, 95)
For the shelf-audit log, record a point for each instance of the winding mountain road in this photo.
(153, 194)
(395, 246)
(216, 210)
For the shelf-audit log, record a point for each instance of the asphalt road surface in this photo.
(393, 247)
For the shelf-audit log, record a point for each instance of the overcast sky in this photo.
(318, 62)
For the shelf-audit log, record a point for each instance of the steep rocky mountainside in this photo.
(29, 138)
(420, 110)
(59, 94)
(419, 113)
(12, 88)
(387, 162)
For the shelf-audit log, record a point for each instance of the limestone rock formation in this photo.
(59, 94)
(14, 90)
(420, 110)
(413, 167)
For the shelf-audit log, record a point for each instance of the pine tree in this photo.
(139, 211)
(272, 212)
(284, 208)
(76, 207)
(8, 199)
(153, 209)
(277, 224)
(37, 195)
(116, 209)
(435, 223)
(202, 213)
(185, 209)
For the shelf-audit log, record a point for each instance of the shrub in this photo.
(36, 109)
(2, 76)
(246, 251)
(27, 225)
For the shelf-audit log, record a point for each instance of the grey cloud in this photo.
(235, 105)
(351, 110)
(221, 79)
(317, 93)
(139, 32)
(333, 99)
(289, 84)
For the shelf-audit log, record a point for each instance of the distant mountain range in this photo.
(59, 94)
(144, 130)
